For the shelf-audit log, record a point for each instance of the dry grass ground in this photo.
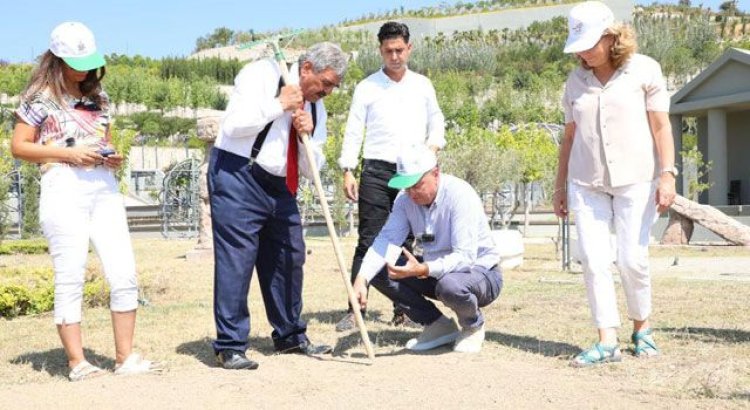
(541, 319)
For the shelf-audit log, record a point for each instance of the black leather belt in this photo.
(380, 164)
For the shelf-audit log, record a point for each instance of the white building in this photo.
(719, 98)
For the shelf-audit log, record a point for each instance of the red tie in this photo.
(292, 174)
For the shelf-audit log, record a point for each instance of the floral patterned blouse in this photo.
(75, 123)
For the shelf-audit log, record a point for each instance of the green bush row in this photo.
(24, 246)
(18, 300)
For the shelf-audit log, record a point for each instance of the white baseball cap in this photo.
(586, 25)
(75, 44)
(412, 164)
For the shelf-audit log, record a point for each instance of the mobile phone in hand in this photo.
(105, 152)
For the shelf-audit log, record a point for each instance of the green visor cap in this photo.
(90, 62)
(404, 181)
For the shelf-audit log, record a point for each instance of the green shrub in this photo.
(30, 178)
(33, 291)
(24, 246)
(17, 300)
(96, 292)
(14, 301)
(43, 300)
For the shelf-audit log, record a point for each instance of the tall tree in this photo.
(221, 37)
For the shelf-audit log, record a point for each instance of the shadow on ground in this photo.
(203, 350)
(708, 334)
(331, 317)
(533, 345)
(395, 339)
(55, 363)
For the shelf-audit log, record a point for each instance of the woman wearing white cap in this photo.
(63, 123)
(616, 167)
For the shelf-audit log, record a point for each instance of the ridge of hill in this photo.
(511, 17)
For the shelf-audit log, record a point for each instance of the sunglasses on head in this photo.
(86, 106)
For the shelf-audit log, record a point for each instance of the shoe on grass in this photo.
(85, 370)
(644, 343)
(597, 354)
(470, 340)
(443, 331)
(136, 364)
(235, 360)
(308, 349)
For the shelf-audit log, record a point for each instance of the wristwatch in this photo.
(671, 169)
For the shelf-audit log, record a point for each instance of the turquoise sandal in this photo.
(644, 344)
(597, 354)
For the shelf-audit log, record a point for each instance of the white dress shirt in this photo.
(253, 104)
(457, 220)
(389, 115)
(613, 145)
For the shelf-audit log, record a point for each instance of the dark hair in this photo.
(49, 75)
(393, 29)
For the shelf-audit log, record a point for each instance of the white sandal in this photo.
(135, 364)
(85, 370)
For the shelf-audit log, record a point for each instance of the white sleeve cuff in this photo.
(436, 269)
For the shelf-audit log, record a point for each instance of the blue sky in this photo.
(158, 28)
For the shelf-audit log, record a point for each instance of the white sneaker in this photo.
(470, 340)
(440, 332)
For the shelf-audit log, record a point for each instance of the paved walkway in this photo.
(731, 268)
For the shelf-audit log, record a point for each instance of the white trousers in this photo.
(629, 211)
(77, 206)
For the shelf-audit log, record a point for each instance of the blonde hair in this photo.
(48, 75)
(624, 45)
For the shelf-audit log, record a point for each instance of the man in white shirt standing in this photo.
(459, 263)
(391, 109)
(252, 182)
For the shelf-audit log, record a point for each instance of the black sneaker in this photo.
(346, 323)
(308, 349)
(235, 360)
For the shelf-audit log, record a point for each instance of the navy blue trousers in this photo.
(256, 224)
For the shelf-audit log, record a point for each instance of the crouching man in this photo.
(459, 262)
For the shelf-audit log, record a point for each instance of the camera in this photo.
(105, 152)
